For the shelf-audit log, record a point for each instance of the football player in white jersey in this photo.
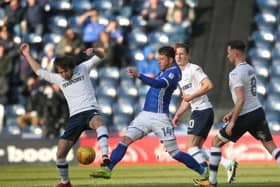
(74, 81)
(194, 86)
(247, 114)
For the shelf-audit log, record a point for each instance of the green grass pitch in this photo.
(135, 176)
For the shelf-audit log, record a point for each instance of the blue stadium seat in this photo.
(51, 38)
(137, 39)
(267, 5)
(128, 89)
(107, 88)
(273, 119)
(111, 73)
(263, 38)
(121, 121)
(57, 23)
(274, 86)
(260, 52)
(59, 6)
(272, 103)
(124, 105)
(266, 20)
(261, 67)
(81, 6)
(72, 21)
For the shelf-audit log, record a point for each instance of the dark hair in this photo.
(237, 44)
(65, 62)
(167, 51)
(187, 47)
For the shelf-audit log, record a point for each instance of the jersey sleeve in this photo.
(199, 74)
(91, 62)
(156, 83)
(235, 79)
(48, 76)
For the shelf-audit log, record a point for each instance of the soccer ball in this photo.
(85, 155)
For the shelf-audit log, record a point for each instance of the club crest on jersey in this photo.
(171, 76)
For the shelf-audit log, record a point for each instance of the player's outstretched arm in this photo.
(25, 51)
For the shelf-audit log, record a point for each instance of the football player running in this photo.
(247, 114)
(194, 86)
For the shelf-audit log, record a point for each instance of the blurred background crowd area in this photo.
(131, 31)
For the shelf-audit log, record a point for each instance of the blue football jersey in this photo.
(162, 87)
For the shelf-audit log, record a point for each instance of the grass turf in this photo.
(135, 176)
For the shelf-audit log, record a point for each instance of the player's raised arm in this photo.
(99, 52)
(25, 51)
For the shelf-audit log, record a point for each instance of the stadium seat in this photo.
(105, 104)
(72, 21)
(266, 20)
(51, 38)
(121, 121)
(59, 6)
(138, 39)
(267, 5)
(128, 89)
(124, 106)
(272, 103)
(111, 73)
(273, 120)
(57, 23)
(263, 38)
(275, 70)
(106, 88)
(81, 6)
(261, 66)
(137, 21)
(274, 86)
(260, 52)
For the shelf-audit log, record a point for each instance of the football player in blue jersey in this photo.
(155, 115)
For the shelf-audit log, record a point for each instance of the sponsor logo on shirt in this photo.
(72, 81)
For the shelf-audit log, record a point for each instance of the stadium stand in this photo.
(120, 96)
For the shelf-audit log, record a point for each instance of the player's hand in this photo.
(175, 121)
(229, 128)
(132, 72)
(24, 48)
(97, 51)
(227, 117)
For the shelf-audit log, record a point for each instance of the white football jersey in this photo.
(192, 76)
(243, 75)
(78, 91)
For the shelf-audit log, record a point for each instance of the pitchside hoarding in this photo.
(19, 151)
(149, 150)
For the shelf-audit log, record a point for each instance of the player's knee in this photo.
(171, 146)
(96, 121)
(126, 140)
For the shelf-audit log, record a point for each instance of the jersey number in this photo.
(191, 123)
(253, 86)
(167, 131)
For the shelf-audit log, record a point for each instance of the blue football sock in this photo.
(117, 154)
(189, 161)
